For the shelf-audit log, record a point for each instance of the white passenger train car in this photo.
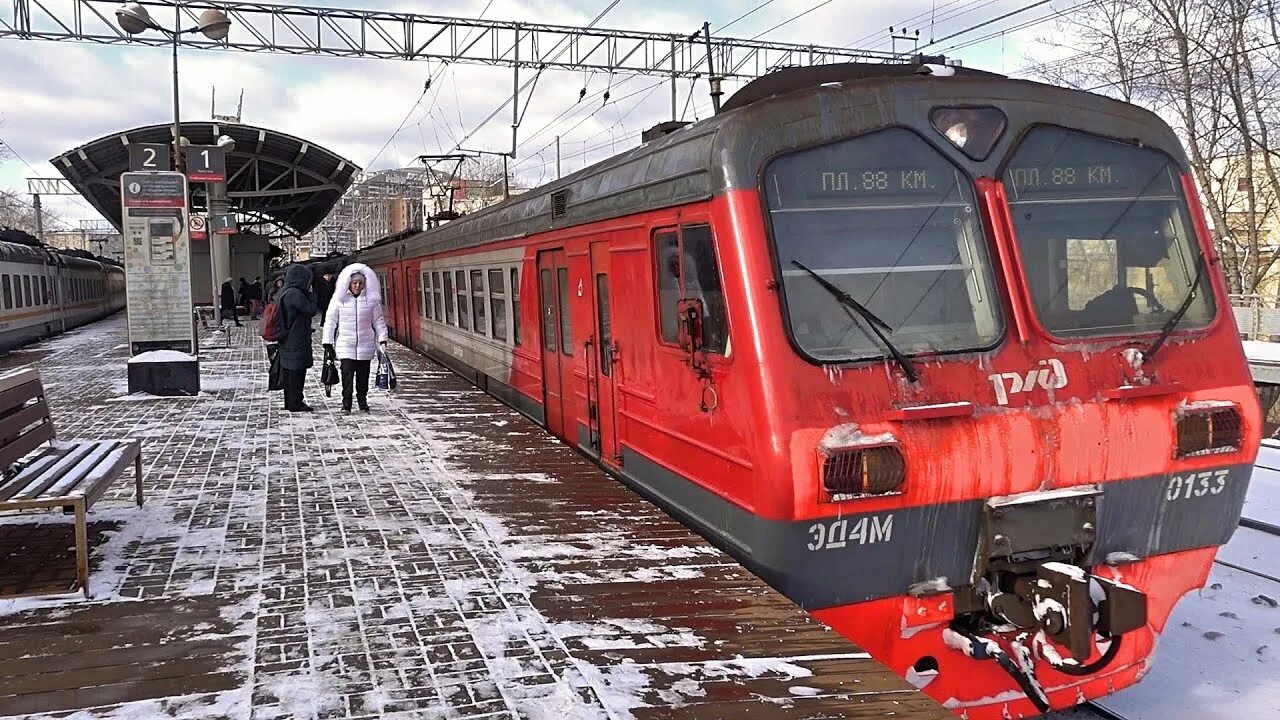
(44, 291)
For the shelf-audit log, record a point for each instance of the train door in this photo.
(601, 359)
(392, 300)
(412, 307)
(555, 326)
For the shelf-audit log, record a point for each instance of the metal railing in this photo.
(1256, 318)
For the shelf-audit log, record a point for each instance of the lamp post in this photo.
(133, 18)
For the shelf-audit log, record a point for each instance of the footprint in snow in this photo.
(1213, 635)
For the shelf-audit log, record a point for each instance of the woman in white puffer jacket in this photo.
(355, 329)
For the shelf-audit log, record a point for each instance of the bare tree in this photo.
(1213, 71)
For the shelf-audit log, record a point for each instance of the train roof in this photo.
(728, 151)
(20, 251)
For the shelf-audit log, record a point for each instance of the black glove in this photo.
(329, 354)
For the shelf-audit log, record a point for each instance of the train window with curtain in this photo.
(464, 299)
(566, 318)
(448, 298)
(1107, 242)
(515, 306)
(888, 220)
(498, 304)
(8, 292)
(687, 270)
(478, 313)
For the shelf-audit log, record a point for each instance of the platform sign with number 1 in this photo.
(205, 163)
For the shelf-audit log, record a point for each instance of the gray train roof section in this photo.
(729, 151)
(279, 185)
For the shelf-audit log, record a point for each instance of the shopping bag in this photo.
(386, 378)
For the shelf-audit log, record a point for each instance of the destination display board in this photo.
(157, 256)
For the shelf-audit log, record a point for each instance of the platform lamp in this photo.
(214, 24)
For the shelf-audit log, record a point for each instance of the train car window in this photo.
(546, 288)
(478, 302)
(515, 306)
(687, 270)
(464, 302)
(667, 250)
(44, 290)
(566, 318)
(438, 293)
(606, 324)
(424, 295)
(888, 219)
(1106, 239)
(498, 304)
(448, 298)
(8, 292)
(26, 290)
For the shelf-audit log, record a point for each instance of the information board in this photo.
(157, 258)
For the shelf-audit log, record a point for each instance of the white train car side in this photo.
(44, 292)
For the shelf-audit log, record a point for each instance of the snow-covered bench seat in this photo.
(40, 471)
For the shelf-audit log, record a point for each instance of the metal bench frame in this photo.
(42, 472)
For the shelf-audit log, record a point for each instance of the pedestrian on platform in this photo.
(276, 286)
(297, 307)
(228, 302)
(324, 292)
(255, 299)
(355, 330)
(242, 293)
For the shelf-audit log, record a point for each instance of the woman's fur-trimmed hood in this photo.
(342, 286)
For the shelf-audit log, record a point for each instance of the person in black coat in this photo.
(297, 309)
(324, 293)
(255, 295)
(228, 302)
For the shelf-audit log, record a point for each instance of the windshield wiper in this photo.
(871, 318)
(1181, 312)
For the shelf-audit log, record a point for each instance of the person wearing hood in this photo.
(324, 292)
(355, 330)
(297, 308)
(228, 302)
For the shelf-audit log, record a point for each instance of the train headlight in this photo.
(1208, 429)
(850, 472)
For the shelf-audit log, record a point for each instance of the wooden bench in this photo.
(40, 471)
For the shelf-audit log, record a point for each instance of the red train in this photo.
(943, 356)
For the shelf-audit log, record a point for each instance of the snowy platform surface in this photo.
(441, 557)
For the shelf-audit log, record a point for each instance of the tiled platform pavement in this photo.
(439, 558)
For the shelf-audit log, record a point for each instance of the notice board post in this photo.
(157, 257)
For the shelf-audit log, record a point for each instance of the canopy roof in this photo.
(278, 185)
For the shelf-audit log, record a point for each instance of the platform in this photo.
(439, 557)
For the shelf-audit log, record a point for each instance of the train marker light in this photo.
(851, 472)
(1208, 429)
(972, 130)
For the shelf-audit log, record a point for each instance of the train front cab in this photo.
(1008, 510)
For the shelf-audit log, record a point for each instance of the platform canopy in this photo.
(278, 185)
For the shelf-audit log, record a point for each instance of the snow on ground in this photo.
(1258, 350)
(366, 577)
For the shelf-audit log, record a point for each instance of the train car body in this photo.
(44, 292)
(946, 359)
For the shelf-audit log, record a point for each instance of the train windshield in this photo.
(1107, 244)
(887, 219)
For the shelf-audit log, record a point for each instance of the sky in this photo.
(57, 96)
